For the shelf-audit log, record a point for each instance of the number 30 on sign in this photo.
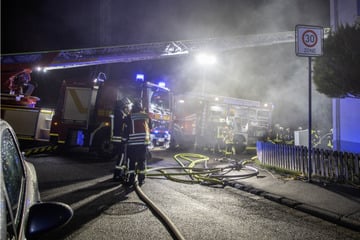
(309, 40)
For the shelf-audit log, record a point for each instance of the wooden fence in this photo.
(331, 165)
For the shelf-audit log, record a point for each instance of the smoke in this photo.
(272, 74)
(163, 20)
(269, 74)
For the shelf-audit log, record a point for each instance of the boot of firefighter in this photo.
(120, 168)
(120, 173)
(130, 178)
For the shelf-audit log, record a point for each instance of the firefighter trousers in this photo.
(121, 162)
(137, 162)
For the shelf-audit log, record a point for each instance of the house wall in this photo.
(346, 112)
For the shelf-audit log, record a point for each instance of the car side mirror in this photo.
(46, 216)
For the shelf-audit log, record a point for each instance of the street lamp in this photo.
(205, 60)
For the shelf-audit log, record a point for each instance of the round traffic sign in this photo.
(309, 38)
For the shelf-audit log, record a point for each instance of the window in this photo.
(14, 177)
(160, 98)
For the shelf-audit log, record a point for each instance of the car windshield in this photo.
(13, 171)
(160, 125)
(160, 99)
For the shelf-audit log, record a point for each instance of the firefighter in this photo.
(121, 110)
(329, 139)
(219, 138)
(229, 141)
(19, 82)
(288, 137)
(315, 138)
(137, 132)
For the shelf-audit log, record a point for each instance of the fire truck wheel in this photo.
(104, 147)
(239, 144)
(172, 144)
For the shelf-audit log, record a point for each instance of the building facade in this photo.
(346, 112)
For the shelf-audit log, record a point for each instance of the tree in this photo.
(337, 72)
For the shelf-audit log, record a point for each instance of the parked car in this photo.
(22, 214)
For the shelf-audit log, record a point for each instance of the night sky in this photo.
(272, 74)
(51, 24)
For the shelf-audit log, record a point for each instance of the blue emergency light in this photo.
(162, 84)
(140, 77)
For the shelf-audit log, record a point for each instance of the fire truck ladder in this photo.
(138, 52)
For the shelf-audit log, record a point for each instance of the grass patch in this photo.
(278, 170)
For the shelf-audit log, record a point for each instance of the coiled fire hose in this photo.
(202, 175)
(196, 175)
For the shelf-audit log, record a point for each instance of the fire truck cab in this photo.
(84, 113)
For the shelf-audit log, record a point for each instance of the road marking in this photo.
(91, 198)
(56, 192)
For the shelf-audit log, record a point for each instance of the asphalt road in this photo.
(106, 210)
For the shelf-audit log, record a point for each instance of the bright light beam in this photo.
(206, 59)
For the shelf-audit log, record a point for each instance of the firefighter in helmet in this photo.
(315, 138)
(121, 110)
(19, 84)
(229, 141)
(137, 132)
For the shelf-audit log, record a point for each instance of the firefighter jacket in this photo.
(119, 124)
(229, 137)
(137, 129)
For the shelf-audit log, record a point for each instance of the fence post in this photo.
(321, 162)
(288, 157)
(347, 165)
(292, 157)
(259, 150)
(356, 166)
(336, 164)
(282, 156)
(332, 165)
(304, 156)
(316, 168)
(326, 164)
(341, 166)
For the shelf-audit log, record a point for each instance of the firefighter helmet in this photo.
(123, 103)
(137, 107)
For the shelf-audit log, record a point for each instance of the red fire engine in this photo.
(84, 111)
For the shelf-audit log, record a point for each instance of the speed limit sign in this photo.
(309, 40)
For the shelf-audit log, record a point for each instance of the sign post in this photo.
(309, 43)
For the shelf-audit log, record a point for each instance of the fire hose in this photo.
(197, 175)
(202, 175)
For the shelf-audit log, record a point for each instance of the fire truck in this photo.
(30, 123)
(203, 120)
(18, 107)
(91, 121)
(84, 114)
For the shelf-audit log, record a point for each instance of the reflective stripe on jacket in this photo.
(139, 125)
